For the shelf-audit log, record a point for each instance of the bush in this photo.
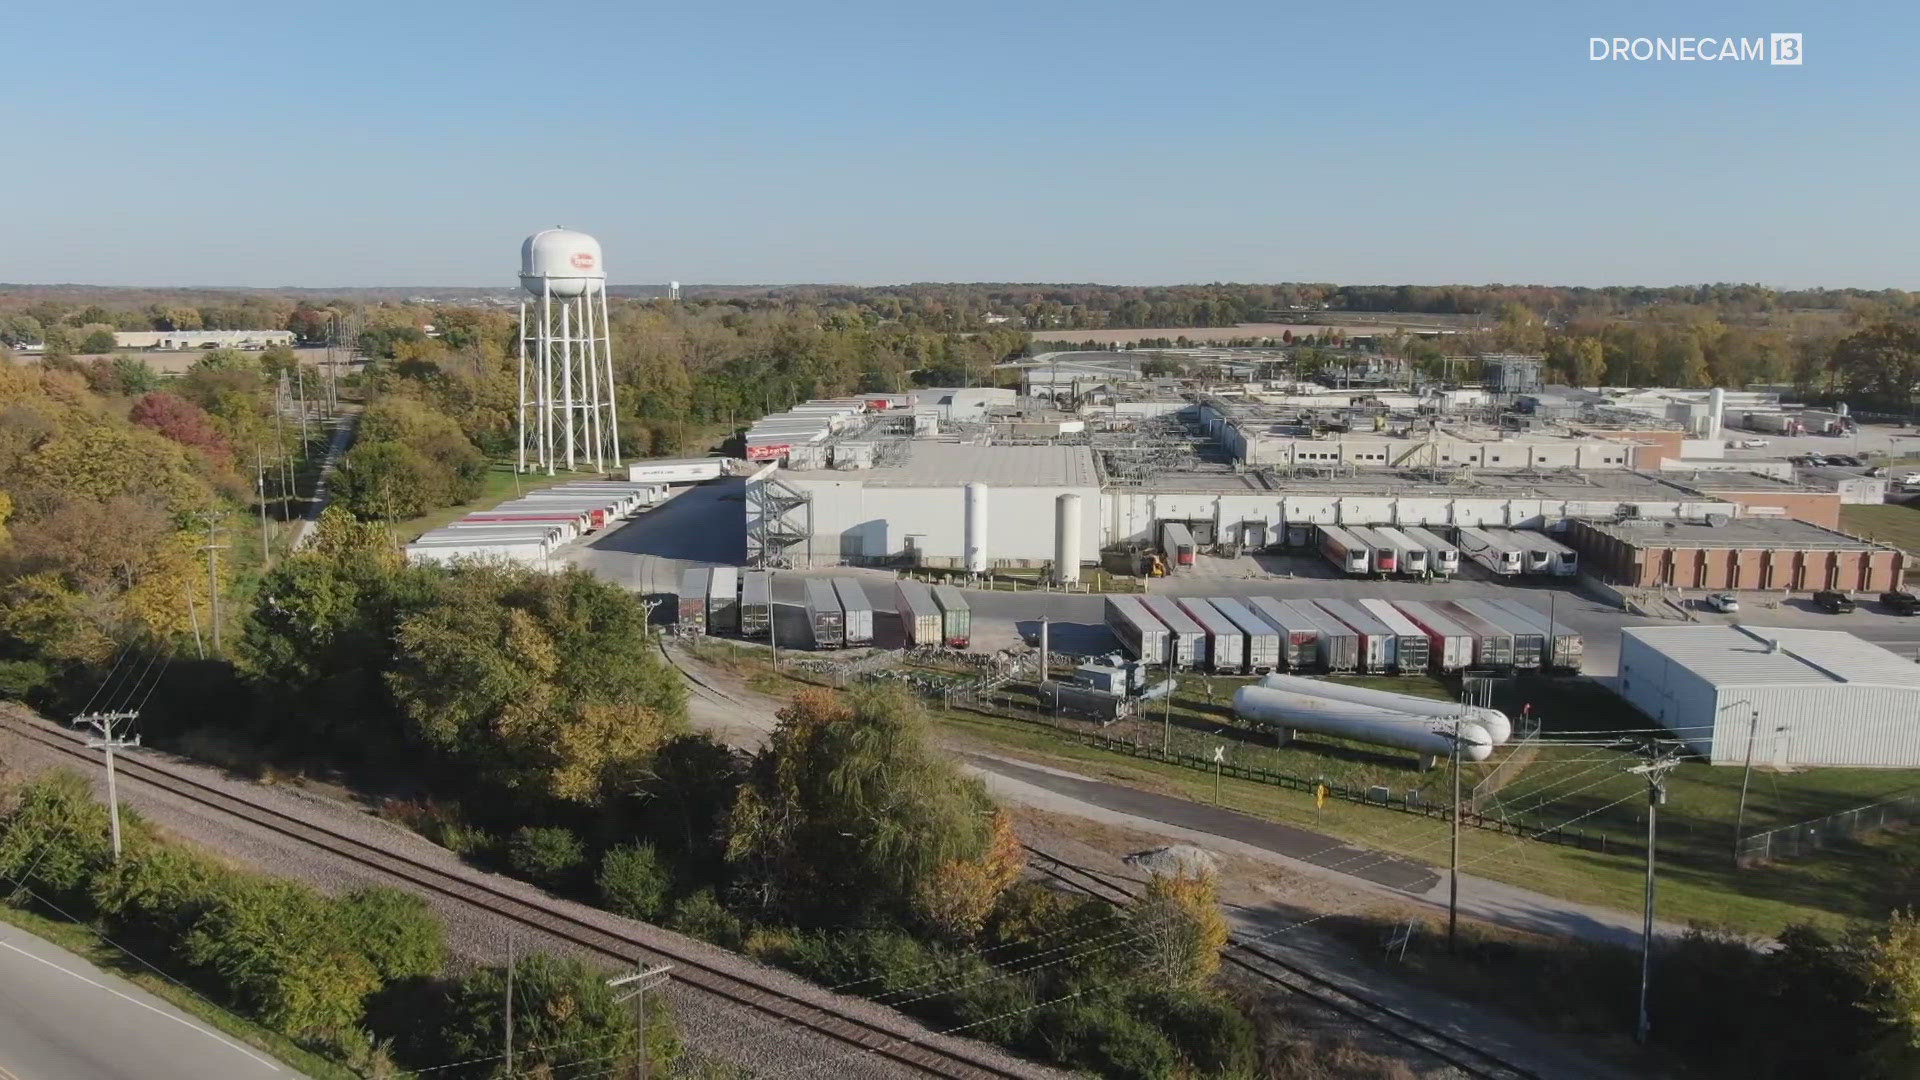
(1209, 1031)
(279, 950)
(568, 1022)
(700, 915)
(395, 931)
(54, 841)
(21, 679)
(155, 894)
(548, 856)
(634, 882)
(1095, 1031)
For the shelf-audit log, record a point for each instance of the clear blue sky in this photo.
(410, 143)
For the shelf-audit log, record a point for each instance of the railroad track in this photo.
(1265, 965)
(914, 1050)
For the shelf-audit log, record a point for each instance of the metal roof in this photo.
(1727, 656)
(940, 464)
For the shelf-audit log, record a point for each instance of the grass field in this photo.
(1584, 787)
(1890, 523)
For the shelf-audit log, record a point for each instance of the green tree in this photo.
(548, 856)
(1881, 362)
(849, 814)
(633, 881)
(1179, 929)
(541, 683)
(97, 341)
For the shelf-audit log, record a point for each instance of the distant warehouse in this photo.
(1792, 697)
(1741, 553)
(176, 340)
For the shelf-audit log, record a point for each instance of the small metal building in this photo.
(1795, 697)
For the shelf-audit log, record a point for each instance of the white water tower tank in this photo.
(568, 262)
(975, 505)
(1066, 539)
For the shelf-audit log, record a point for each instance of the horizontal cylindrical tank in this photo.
(1361, 723)
(1498, 727)
(562, 261)
(975, 524)
(1066, 539)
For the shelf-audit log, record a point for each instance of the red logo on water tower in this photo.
(583, 260)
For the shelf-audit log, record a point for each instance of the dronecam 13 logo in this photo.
(1777, 49)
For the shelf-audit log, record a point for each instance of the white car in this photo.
(1910, 478)
(1751, 444)
(1725, 603)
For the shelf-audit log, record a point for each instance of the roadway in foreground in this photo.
(62, 1018)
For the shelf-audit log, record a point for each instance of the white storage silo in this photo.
(1716, 412)
(975, 547)
(1066, 539)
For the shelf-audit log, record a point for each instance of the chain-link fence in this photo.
(1810, 836)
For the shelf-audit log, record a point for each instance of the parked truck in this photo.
(825, 618)
(857, 609)
(1176, 541)
(956, 616)
(756, 604)
(920, 619)
(692, 616)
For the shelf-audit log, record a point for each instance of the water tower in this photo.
(567, 415)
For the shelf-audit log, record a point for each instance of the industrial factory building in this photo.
(175, 340)
(1786, 697)
(914, 510)
(1734, 553)
(880, 482)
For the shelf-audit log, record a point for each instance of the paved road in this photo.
(61, 1018)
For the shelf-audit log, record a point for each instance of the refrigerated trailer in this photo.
(857, 609)
(1450, 646)
(1382, 556)
(1347, 552)
(920, 618)
(1226, 645)
(1492, 645)
(756, 604)
(1485, 546)
(1379, 646)
(1443, 556)
(1565, 647)
(1413, 650)
(1262, 640)
(1529, 641)
(1535, 557)
(1176, 543)
(1339, 643)
(692, 614)
(1187, 640)
(956, 616)
(1410, 558)
(1140, 633)
(723, 601)
(1562, 561)
(1299, 636)
(825, 618)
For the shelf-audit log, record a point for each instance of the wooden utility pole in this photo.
(213, 549)
(637, 984)
(1659, 762)
(109, 740)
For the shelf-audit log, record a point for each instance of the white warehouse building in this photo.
(914, 510)
(1797, 697)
